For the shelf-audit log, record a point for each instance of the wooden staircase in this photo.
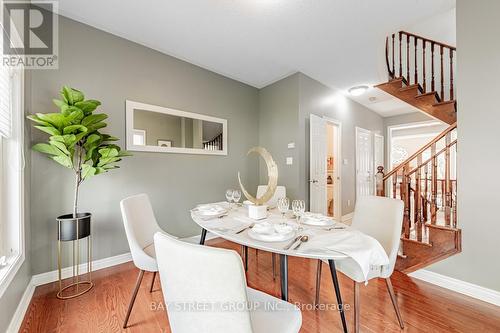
(426, 181)
(415, 75)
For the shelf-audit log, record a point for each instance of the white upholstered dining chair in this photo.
(279, 193)
(140, 227)
(382, 219)
(215, 279)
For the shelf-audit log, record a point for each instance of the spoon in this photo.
(292, 242)
(303, 239)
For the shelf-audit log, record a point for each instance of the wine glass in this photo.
(298, 208)
(283, 206)
(229, 197)
(236, 196)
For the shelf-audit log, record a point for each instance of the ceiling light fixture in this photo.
(358, 90)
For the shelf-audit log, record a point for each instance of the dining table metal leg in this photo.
(336, 286)
(203, 236)
(244, 254)
(284, 276)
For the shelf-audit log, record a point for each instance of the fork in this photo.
(249, 227)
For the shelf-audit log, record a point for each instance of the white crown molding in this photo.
(459, 286)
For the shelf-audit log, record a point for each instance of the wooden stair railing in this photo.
(409, 56)
(416, 181)
(213, 144)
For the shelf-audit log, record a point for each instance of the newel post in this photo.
(379, 181)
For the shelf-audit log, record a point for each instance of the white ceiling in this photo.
(338, 42)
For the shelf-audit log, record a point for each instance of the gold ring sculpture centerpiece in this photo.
(258, 210)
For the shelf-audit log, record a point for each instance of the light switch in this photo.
(289, 160)
(291, 145)
(345, 161)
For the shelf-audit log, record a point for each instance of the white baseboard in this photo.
(67, 272)
(459, 286)
(48, 277)
(17, 318)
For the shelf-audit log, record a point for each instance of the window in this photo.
(11, 174)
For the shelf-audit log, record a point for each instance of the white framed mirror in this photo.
(159, 129)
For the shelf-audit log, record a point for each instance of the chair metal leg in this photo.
(356, 307)
(134, 295)
(318, 282)
(394, 302)
(152, 282)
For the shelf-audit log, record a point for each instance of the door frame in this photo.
(361, 129)
(338, 166)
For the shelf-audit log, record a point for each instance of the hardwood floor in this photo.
(425, 308)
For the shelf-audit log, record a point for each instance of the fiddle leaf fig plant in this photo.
(75, 140)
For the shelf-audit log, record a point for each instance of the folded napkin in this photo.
(365, 250)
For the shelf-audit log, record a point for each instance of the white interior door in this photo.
(364, 162)
(317, 165)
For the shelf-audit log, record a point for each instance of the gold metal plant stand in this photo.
(80, 286)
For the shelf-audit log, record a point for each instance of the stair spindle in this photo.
(408, 58)
(447, 181)
(442, 73)
(400, 57)
(393, 64)
(424, 85)
(418, 201)
(451, 74)
(434, 184)
(394, 181)
(415, 56)
(426, 193)
(407, 190)
(432, 68)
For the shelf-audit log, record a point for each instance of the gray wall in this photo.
(111, 69)
(478, 64)
(278, 126)
(316, 98)
(285, 107)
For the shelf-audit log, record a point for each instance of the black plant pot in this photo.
(67, 226)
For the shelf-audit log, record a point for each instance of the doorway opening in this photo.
(333, 202)
(324, 166)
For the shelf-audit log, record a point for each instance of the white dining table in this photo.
(227, 227)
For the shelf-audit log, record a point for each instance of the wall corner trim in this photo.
(459, 286)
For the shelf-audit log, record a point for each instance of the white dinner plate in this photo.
(210, 210)
(317, 220)
(271, 237)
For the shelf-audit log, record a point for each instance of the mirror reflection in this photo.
(167, 130)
